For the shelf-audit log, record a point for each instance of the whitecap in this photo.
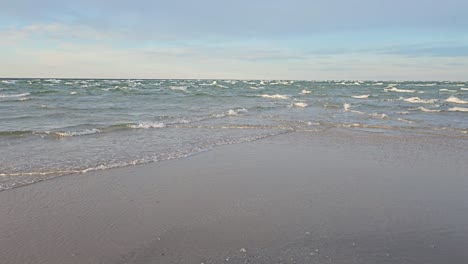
(299, 104)
(8, 81)
(146, 125)
(179, 88)
(274, 96)
(377, 115)
(418, 100)
(464, 89)
(235, 112)
(13, 95)
(405, 120)
(346, 107)
(391, 88)
(458, 109)
(453, 99)
(305, 91)
(361, 96)
(72, 93)
(447, 90)
(53, 80)
(76, 133)
(423, 109)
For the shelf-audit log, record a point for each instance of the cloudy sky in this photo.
(242, 39)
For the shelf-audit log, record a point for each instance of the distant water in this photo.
(54, 127)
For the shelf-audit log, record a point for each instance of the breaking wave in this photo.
(453, 99)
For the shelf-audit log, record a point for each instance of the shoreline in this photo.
(292, 198)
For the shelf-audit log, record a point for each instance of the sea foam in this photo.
(274, 96)
(235, 112)
(418, 100)
(13, 95)
(146, 125)
(458, 109)
(394, 89)
(361, 96)
(77, 133)
(299, 104)
(423, 109)
(453, 99)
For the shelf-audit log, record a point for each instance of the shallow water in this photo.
(52, 127)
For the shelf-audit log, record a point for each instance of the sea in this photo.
(55, 127)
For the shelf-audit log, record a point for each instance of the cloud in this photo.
(422, 51)
(54, 31)
(188, 20)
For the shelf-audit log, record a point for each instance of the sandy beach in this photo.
(328, 197)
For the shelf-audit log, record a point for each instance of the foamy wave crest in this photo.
(77, 133)
(447, 90)
(458, 109)
(179, 88)
(377, 115)
(346, 107)
(274, 96)
(394, 89)
(453, 99)
(423, 109)
(299, 104)
(464, 89)
(305, 91)
(405, 120)
(8, 81)
(418, 100)
(361, 96)
(146, 125)
(235, 112)
(14, 95)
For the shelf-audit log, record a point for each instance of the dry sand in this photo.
(329, 197)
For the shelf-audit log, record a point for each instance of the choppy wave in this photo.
(458, 109)
(405, 120)
(236, 111)
(179, 88)
(394, 89)
(453, 99)
(364, 96)
(418, 100)
(146, 125)
(159, 117)
(346, 108)
(76, 133)
(299, 104)
(14, 95)
(423, 109)
(447, 90)
(274, 96)
(379, 115)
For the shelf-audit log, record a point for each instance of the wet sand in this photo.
(326, 197)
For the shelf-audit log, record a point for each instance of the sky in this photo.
(242, 39)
